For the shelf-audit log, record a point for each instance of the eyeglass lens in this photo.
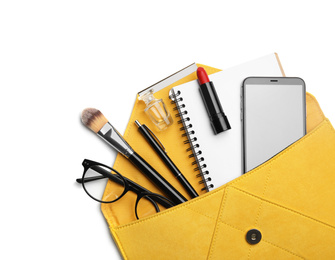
(96, 188)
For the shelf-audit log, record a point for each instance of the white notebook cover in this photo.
(222, 153)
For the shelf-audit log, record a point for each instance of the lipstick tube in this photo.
(218, 119)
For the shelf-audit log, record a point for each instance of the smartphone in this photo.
(273, 114)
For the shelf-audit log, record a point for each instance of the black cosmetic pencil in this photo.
(96, 121)
(150, 137)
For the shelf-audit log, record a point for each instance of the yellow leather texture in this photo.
(289, 199)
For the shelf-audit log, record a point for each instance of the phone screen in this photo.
(274, 117)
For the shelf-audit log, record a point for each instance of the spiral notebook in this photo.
(219, 157)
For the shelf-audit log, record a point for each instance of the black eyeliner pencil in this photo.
(96, 121)
(146, 132)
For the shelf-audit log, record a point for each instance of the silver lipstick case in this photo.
(114, 139)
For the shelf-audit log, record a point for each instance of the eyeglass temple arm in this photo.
(133, 186)
(88, 179)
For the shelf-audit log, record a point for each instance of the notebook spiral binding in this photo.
(199, 161)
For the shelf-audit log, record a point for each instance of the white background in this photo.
(59, 57)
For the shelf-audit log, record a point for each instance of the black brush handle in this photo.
(157, 179)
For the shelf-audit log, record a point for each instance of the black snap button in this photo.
(253, 236)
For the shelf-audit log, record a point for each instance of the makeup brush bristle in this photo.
(93, 119)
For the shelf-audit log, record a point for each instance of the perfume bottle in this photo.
(156, 110)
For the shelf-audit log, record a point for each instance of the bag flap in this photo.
(289, 199)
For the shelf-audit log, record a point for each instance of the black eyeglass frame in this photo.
(129, 185)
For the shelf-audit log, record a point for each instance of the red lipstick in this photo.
(218, 119)
(202, 76)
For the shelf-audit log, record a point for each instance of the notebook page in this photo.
(222, 153)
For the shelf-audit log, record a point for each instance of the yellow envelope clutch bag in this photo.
(283, 209)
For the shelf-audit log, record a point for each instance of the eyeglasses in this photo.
(94, 181)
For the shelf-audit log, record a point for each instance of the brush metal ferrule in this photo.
(114, 139)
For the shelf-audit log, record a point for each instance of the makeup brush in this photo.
(95, 120)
